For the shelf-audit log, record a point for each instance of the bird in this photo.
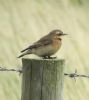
(46, 46)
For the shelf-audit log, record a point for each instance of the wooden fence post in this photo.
(42, 79)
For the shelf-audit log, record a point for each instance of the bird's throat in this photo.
(59, 39)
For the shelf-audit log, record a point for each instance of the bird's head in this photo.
(56, 33)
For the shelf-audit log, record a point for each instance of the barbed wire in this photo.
(75, 74)
(19, 70)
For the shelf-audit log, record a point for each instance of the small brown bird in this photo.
(46, 46)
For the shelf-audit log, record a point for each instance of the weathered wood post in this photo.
(42, 79)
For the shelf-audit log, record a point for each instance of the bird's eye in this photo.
(57, 33)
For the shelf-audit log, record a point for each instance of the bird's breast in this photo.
(56, 44)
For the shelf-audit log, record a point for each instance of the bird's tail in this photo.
(23, 54)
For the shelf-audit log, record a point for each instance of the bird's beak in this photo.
(64, 34)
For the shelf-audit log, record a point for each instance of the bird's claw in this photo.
(48, 57)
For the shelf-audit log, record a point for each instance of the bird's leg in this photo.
(45, 57)
(49, 57)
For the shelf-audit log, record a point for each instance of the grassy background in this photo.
(24, 21)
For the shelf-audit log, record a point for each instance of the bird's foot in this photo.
(49, 57)
(45, 57)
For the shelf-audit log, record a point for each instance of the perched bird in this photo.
(46, 46)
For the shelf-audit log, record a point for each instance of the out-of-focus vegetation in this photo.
(24, 21)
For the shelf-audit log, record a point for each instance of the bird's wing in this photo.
(41, 42)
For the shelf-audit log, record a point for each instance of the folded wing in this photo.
(42, 42)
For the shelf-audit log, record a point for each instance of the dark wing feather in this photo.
(41, 42)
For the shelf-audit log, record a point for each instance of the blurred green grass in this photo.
(22, 22)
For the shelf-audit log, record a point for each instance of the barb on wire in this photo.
(75, 74)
